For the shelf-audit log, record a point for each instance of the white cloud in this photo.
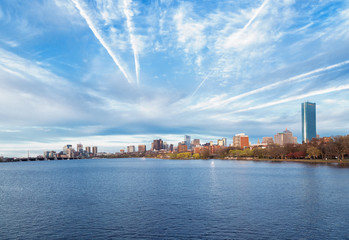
(190, 33)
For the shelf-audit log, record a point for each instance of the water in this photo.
(170, 199)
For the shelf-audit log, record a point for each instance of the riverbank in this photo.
(311, 161)
(314, 161)
(332, 161)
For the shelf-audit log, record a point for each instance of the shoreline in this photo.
(310, 161)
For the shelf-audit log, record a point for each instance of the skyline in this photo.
(117, 73)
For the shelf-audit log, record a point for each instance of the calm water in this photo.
(169, 199)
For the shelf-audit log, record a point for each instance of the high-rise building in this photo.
(94, 150)
(187, 141)
(131, 149)
(308, 121)
(66, 147)
(285, 137)
(157, 144)
(88, 150)
(80, 148)
(220, 142)
(241, 141)
(142, 148)
(165, 146)
(224, 142)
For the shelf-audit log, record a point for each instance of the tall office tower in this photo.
(241, 140)
(94, 150)
(308, 121)
(187, 141)
(224, 141)
(88, 150)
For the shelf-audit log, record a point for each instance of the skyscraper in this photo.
(187, 141)
(308, 121)
(158, 144)
(94, 150)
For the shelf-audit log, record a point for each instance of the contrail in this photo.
(100, 38)
(239, 32)
(128, 14)
(310, 94)
(203, 81)
(255, 15)
(274, 85)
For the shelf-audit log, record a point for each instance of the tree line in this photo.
(333, 148)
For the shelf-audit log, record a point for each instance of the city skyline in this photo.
(118, 73)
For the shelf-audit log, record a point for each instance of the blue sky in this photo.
(117, 72)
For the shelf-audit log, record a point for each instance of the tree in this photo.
(342, 146)
(223, 152)
(299, 155)
(205, 153)
(259, 152)
(313, 152)
(276, 151)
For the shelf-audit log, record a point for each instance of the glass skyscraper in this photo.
(187, 141)
(308, 121)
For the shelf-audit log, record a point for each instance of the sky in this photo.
(112, 73)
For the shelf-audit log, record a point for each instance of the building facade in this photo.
(220, 142)
(94, 150)
(157, 145)
(131, 149)
(241, 141)
(308, 121)
(196, 142)
(142, 148)
(182, 147)
(187, 141)
(286, 137)
(267, 140)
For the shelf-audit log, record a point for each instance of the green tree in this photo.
(313, 152)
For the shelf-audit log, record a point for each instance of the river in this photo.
(172, 199)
